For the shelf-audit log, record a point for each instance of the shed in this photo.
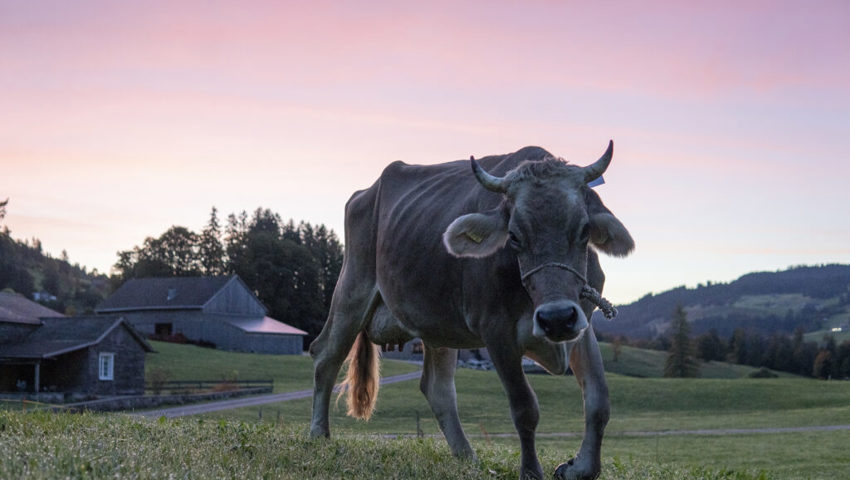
(215, 310)
(95, 355)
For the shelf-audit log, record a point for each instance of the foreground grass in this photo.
(52, 446)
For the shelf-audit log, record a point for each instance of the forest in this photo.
(291, 267)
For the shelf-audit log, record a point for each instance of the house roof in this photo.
(16, 308)
(174, 293)
(58, 336)
(264, 325)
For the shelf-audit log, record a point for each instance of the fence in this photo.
(207, 385)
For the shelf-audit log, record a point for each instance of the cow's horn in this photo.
(490, 182)
(595, 170)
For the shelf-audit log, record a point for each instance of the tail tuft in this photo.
(362, 380)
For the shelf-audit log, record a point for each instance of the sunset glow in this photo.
(731, 120)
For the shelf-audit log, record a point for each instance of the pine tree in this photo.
(210, 248)
(681, 361)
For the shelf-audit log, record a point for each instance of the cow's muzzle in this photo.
(559, 321)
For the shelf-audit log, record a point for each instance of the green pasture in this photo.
(639, 362)
(58, 446)
(819, 335)
(641, 440)
(289, 372)
(639, 405)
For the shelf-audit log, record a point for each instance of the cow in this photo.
(503, 257)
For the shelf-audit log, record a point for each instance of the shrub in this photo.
(763, 373)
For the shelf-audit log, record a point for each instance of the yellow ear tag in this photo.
(475, 237)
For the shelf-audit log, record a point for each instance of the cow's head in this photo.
(548, 218)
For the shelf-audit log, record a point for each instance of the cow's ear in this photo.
(607, 233)
(477, 234)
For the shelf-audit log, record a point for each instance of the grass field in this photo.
(237, 444)
(52, 446)
(290, 372)
(638, 405)
(639, 362)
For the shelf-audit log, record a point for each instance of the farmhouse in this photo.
(19, 316)
(215, 310)
(41, 350)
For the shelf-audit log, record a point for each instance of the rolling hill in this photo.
(815, 298)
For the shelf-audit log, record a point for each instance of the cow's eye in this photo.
(513, 240)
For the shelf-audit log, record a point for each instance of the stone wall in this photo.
(142, 402)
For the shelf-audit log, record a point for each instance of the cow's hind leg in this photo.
(438, 385)
(349, 311)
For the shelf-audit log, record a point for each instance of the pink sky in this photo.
(731, 120)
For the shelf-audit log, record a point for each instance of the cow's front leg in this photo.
(524, 410)
(586, 362)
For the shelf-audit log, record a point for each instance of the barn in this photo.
(220, 310)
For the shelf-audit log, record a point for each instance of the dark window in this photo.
(163, 329)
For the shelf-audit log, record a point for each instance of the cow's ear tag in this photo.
(475, 237)
(597, 182)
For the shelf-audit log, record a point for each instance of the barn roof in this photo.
(173, 293)
(58, 336)
(16, 308)
(264, 325)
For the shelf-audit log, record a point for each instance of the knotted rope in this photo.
(590, 293)
(587, 291)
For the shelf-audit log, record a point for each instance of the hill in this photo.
(26, 269)
(815, 298)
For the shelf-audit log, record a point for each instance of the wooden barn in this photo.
(215, 310)
(43, 351)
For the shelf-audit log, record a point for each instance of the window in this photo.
(106, 368)
(163, 329)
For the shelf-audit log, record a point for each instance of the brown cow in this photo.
(511, 267)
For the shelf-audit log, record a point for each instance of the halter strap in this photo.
(564, 266)
(587, 291)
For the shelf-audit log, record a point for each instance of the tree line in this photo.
(777, 351)
(292, 268)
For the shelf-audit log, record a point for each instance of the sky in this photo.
(731, 120)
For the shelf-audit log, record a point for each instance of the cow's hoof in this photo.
(531, 473)
(575, 469)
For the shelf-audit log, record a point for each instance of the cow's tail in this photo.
(363, 378)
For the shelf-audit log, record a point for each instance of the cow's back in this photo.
(399, 221)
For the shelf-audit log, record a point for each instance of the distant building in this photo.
(217, 310)
(42, 350)
(43, 297)
(413, 350)
(19, 316)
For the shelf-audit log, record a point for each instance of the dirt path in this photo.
(186, 410)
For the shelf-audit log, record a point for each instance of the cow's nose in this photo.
(553, 317)
(560, 321)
